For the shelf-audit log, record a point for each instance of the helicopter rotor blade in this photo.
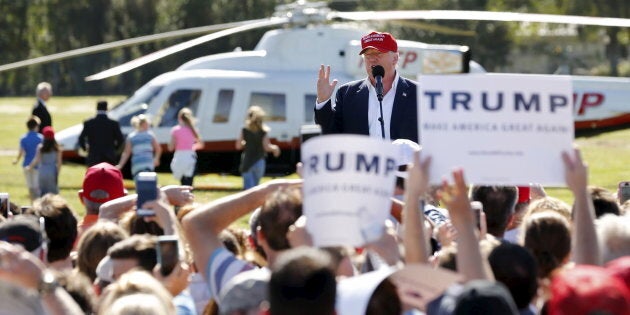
(481, 15)
(124, 43)
(433, 28)
(182, 46)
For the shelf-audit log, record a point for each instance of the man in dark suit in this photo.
(101, 137)
(357, 110)
(44, 92)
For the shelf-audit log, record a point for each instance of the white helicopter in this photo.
(280, 75)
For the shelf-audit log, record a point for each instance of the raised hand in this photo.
(417, 182)
(324, 87)
(575, 171)
(456, 200)
(178, 195)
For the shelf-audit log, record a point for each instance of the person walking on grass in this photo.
(142, 147)
(48, 159)
(28, 148)
(254, 142)
(185, 141)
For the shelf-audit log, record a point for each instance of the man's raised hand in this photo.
(324, 87)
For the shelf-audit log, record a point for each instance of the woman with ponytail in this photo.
(254, 142)
(185, 140)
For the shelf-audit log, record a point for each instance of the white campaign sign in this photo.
(348, 183)
(502, 129)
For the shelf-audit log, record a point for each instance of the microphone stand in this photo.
(380, 105)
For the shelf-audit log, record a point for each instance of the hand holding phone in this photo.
(623, 194)
(167, 253)
(477, 208)
(147, 190)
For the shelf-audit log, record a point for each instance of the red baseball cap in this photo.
(382, 42)
(104, 177)
(523, 194)
(588, 289)
(48, 132)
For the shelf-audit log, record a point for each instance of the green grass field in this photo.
(607, 154)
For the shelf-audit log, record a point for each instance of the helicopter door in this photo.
(166, 117)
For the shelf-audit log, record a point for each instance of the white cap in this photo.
(353, 294)
(406, 149)
(105, 270)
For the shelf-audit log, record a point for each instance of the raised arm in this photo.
(203, 225)
(469, 261)
(324, 87)
(585, 247)
(21, 268)
(417, 184)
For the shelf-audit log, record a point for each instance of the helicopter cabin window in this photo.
(274, 105)
(176, 101)
(136, 105)
(309, 112)
(224, 106)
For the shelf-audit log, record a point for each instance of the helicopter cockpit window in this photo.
(224, 106)
(309, 112)
(135, 105)
(167, 116)
(274, 105)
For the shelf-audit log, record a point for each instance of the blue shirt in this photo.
(141, 151)
(29, 143)
(184, 304)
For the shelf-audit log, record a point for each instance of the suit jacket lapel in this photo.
(398, 110)
(363, 102)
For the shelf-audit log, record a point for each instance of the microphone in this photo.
(378, 72)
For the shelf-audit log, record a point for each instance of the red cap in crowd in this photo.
(382, 42)
(586, 290)
(48, 132)
(105, 177)
(620, 268)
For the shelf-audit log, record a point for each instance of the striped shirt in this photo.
(141, 151)
(223, 266)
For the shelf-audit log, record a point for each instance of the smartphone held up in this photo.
(167, 253)
(623, 193)
(477, 208)
(147, 190)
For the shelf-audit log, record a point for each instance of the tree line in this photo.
(33, 28)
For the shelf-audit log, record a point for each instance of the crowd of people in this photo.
(526, 252)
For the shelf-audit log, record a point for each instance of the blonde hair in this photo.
(136, 292)
(138, 120)
(255, 117)
(549, 204)
(186, 115)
